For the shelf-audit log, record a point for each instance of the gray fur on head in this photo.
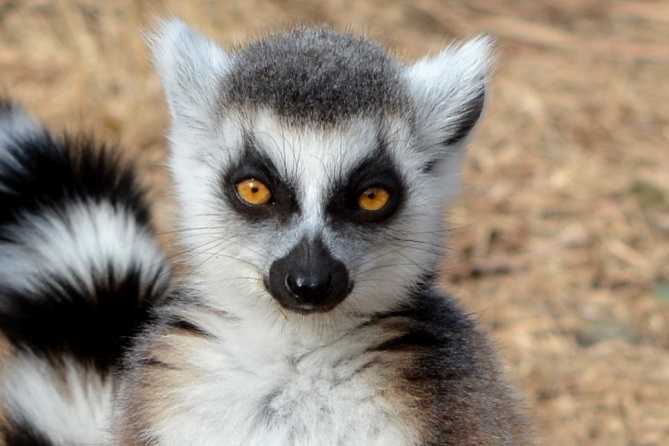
(318, 76)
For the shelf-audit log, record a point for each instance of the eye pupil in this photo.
(254, 192)
(374, 198)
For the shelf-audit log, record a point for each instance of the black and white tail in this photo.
(79, 271)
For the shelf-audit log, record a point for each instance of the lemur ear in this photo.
(449, 93)
(191, 68)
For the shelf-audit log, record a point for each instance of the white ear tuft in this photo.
(449, 93)
(192, 68)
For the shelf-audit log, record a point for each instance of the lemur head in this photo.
(312, 168)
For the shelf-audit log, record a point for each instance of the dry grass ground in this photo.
(561, 238)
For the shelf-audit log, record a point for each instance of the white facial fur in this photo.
(230, 257)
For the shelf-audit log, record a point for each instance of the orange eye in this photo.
(254, 192)
(373, 198)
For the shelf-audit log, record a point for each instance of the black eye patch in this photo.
(254, 164)
(376, 171)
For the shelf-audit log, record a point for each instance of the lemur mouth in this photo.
(308, 279)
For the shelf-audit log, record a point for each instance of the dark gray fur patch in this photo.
(468, 116)
(315, 75)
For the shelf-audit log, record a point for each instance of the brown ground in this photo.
(561, 238)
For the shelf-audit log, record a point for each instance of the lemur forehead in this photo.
(317, 76)
(292, 148)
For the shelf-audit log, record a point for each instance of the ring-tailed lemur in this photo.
(312, 170)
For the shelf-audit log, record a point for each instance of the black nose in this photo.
(309, 288)
(308, 279)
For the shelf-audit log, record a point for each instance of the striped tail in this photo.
(79, 271)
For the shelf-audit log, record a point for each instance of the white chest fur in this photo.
(234, 393)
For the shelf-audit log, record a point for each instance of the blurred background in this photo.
(560, 239)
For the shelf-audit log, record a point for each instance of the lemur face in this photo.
(313, 168)
(313, 216)
(327, 198)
